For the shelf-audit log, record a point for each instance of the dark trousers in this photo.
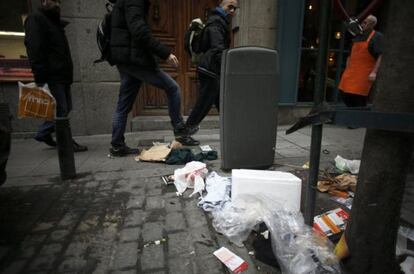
(209, 94)
(5, 140)
(63, 97)
(354, 100)
(131, 80)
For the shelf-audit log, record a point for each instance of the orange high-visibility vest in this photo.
(360, 64)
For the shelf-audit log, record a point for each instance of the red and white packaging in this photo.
(231, 260)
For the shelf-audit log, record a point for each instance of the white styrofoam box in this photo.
(283, 186)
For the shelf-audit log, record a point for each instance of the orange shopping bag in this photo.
(36, 102)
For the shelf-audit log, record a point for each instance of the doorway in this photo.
(168, 21)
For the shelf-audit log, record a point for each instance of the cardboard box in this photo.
(231, 260)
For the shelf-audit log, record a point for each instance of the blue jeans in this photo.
(63, 97)
(131, 80)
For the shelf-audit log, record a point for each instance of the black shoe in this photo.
(122, 151)
(191, 130)
(180, 129)
(188, 141)
(48, 140)
(79, 148)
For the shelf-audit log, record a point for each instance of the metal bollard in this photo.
(5, 139)
(65, 149)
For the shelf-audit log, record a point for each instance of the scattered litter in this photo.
(407, 232)
(192, 252)
(158, 152)
(347, 202)
(263, 250)
(331, 223)
(341, 248)
(297, 248)
(251, 253)
(180, 156)
(405, 241)
(218, 192)
(342, 182)
(407, 266)
(338, 193)
(346, 165)
(306, 165)
(168, 179)
(231, 260)
(157, 242)
(326, 152)
(206, 148)
(265, 234)
(110, 156)
(190, 176)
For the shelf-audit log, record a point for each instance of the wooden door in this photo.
(169, 21)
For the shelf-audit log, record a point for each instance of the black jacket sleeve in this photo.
(139, 29)
(36, 45)
(215, 38)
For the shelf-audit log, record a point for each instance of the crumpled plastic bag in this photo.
(298, 249)
(190, 176)
(218, 192)
(346, 165)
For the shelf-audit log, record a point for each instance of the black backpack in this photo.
(193, 40)
(103, 35)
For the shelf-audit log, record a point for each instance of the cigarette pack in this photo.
(231, 260)
(331, 222)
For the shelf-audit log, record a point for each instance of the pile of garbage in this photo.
(297, 247)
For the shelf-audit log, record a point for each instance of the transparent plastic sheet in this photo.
(297, 248)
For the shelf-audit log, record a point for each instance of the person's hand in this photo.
(172, 60)
(372, 76)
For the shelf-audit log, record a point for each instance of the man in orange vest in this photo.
(362, 66)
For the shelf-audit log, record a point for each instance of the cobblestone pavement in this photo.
(117, 216)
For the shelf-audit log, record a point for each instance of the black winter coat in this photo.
(132, 41)
(216, 38)
(48, 49)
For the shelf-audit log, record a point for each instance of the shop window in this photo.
(340, 42)
(14, 64)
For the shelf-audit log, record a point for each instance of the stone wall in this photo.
(257, 22)
(96, 85)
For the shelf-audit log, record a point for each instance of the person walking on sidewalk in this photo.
(362, 66)
(135, 52)
(51, 62)
(215, 39)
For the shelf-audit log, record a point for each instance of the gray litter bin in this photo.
(248, 107)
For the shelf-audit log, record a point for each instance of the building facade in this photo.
(290, 26)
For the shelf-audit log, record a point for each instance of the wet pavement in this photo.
(117, 216)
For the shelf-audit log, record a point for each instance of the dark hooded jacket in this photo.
(48, 48)
(216, 38)
(132, 42)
